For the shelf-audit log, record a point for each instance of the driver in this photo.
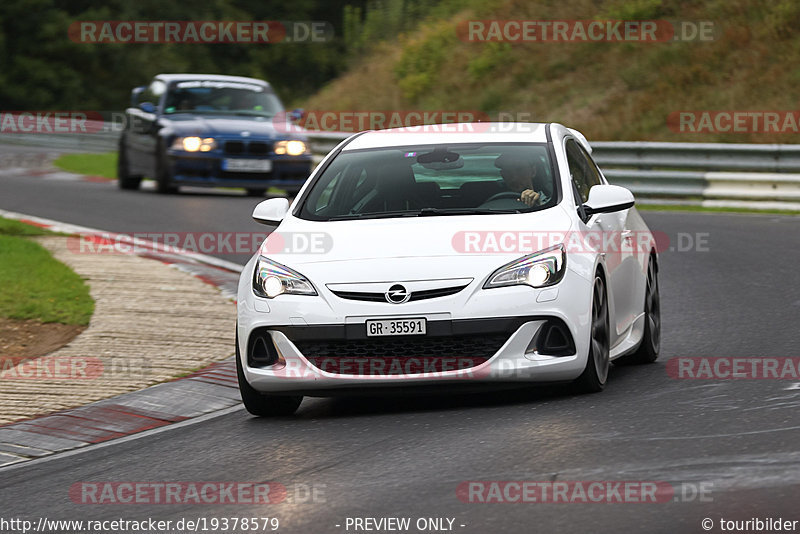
(519, 175)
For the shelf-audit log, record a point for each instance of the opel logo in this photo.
(397, 294)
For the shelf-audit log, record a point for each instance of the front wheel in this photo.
(125, 180)
(164, 183)
(263, 405)
(594, 376)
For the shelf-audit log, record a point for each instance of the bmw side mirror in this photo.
(135, 92)
(607, 199)
(271, 211)
(147, 107)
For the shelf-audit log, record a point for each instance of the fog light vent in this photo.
(552, 339)
(262, 352)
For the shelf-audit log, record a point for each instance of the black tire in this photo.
(125, 180)
(651, 340)
(263, 405)
(164, 183)
(256, 192)
(594, 376)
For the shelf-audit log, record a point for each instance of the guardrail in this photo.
(707, 173)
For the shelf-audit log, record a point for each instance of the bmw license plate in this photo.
(396, 327)
(247, 165)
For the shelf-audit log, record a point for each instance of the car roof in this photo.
(209, 77)
(465, 132)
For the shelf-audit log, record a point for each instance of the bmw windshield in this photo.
(416, 181)
(204, 96)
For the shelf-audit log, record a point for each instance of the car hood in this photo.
(418, 248)
(223, 125)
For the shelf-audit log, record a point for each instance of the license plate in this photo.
(247, 165)
(395, 327)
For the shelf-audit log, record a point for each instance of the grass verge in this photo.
(104, 165)
(36, 285)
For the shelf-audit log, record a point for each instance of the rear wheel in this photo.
(125, 180)
(594, 376)
(651, 340)
(259, 404)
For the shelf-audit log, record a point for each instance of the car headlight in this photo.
(271, 279)
(194, 144)
(292, 148)
(541, 269)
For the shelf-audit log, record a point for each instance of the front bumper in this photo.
(320, 344)
(206, 170)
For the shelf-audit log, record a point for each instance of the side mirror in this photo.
(271, 211)
(147, 107)
(135, 92)
(607, 199)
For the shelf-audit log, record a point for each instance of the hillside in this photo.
(608, 90)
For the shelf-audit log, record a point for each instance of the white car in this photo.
(482, 253)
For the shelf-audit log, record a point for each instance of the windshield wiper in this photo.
(375, 215)
(425, 212)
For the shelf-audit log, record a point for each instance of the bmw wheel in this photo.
(125, 180)
(164, 183)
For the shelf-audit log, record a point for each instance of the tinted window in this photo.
(432, 180)
(204, 96)
(582, 169)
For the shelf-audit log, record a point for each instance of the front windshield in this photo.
(433, 180)
(203, 96)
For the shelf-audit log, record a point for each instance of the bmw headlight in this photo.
(194, 144)
(271, 279)
(541, 269)
(292, 148)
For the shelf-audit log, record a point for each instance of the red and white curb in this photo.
(201, 393)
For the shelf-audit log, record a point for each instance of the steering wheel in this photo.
(503, 195)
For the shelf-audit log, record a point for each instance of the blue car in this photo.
(210, 130)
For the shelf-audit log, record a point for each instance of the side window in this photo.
(578, 170)
(595, 177)
(153, 92)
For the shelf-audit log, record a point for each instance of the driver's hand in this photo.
(529, 197)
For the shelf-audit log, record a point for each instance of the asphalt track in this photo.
(737, 440)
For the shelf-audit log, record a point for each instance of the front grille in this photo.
(253, 148)
(415, 295)
(234, 147)
(258, 148)
(401, 355)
